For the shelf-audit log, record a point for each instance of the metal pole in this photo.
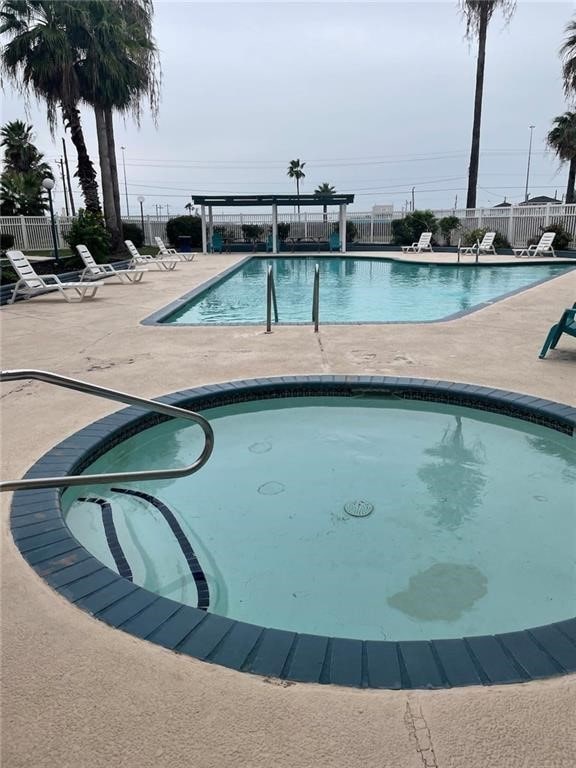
(412, 198)
(142, 217)
(274, 227)
(528, 167)
(125, 184)
(204, 238)
(54, 234)
(72, 206)
(61, 164)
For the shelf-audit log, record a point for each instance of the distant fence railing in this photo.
(517, 223)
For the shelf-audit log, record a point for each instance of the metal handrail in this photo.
(316, 298)
(120, 397)
(270, 300)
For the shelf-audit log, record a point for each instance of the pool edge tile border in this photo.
(57, 557)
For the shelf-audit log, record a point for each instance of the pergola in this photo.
(207, 203)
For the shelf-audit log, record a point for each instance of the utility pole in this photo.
(456, 201)
(167, 210)
(61, 164)
(125, 184)
(528, 167)
(412, 198)
(72, 206)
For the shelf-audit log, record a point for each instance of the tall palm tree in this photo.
(24, 169)
(40, 58)
(477, 14)
(568, 54)
(296, 172)
(325, 190)
(562, 140)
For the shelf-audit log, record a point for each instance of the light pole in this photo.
(141, 201)
(125, 184)
(48, 185)
(528, 168)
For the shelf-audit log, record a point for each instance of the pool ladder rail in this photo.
(119, 397)
(271, 303)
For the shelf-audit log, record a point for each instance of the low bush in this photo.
(88, 229)
(561, 241)
(476, 235)
(190, 226)
(131, 231)
(408, 230)
(447, 225)
(351, 231)
(252, 232)
(283, 230)
(6, 242)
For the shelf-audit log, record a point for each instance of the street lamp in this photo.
(528, 168)
(125, 184)
(141, 201)
(48, 185)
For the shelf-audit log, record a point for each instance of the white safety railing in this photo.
(517, 223)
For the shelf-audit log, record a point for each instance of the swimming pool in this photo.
(352, 290)
(346, 530)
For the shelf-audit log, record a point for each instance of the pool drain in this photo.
(358, 508)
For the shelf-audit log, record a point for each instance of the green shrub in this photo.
(133, 232)
(6, 242)
(470, 238)
(561, 241)
(190, 226)
(447, 225)
(88, 229)
(408, 230)
(351, 230)
(252, 232)
(283, 230)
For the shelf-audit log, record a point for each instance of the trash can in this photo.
(184, 243)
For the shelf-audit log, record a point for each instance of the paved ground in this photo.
(77, 693)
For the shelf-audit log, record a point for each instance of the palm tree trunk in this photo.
(325, 213)
(113, 165)
(571, 181)
(475, 151)
(85, 173)
(105, 172)
(298, 196)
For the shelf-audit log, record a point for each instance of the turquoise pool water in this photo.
(470, 530)
(356, 290)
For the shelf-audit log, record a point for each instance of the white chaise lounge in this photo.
(543, 248)
(31, 284)
(94, 271)
(139, 259)
(486, 246)
(164, 251)
(423, 244)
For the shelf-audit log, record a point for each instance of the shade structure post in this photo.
(210, 225)
(274, 227)
(343, 227)
(204, 238)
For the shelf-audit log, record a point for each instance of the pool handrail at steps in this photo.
(316, 298)
(121, 397)
(270, 299)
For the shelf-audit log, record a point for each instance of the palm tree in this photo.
(295, 171)
(477, 14)
(568, 53)
(40, 58)
(21, 180)
(562, 140)
(325, 190)
(190, 208)
(119, 66)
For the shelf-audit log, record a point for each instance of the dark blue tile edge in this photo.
(44, 540)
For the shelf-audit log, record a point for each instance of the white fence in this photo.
(517, 223)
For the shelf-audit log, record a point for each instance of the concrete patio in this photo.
(78, 693)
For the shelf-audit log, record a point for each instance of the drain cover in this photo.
(358, 508)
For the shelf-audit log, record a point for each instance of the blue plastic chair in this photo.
(217, 243)
(567, 324)
(269, 245)
(334, 242)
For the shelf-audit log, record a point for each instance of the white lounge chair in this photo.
(543, 248)
(31, 284)
(94, 271)
(163, 251)
(424, 244)
(149, 261)
(486, 246)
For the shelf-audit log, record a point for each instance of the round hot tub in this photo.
(360, 530)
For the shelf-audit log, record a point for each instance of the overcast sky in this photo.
(375, 97)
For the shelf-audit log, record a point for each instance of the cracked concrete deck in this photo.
(78, 693)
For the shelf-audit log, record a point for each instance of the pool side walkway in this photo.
(77, 693)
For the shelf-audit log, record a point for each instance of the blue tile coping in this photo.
(41, 535)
